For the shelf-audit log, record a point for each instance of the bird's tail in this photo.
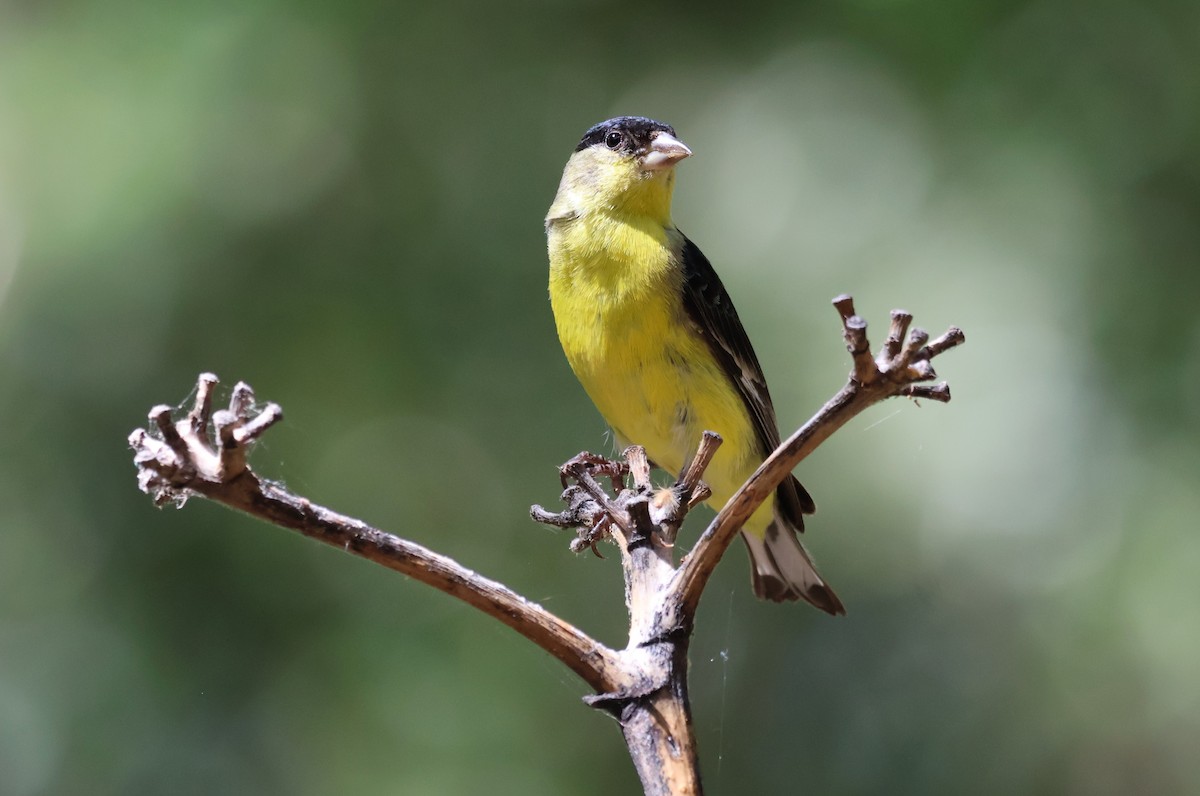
(783, 570)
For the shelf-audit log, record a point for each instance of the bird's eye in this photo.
(613, 139)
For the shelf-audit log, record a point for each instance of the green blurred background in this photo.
(342, 205)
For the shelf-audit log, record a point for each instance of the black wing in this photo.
(711, 310)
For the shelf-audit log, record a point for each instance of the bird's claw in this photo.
(595, 465)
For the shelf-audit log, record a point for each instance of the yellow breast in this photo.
(615, 288)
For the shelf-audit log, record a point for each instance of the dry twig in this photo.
(190, 458)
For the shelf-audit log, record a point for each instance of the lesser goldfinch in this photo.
(653, 337)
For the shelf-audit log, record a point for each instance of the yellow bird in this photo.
(653, 337)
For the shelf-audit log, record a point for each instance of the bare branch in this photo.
(900, 321)
(689, 480)
(951, 338)
(701, 493)
(696, 567)
(916, 339)
(592, 661)
(185, 463)
(689, 490)
(639, 466)
(872, 381)
(938, 392)
(854, 330)
(202, 409)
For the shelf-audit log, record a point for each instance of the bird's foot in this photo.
(595, 464)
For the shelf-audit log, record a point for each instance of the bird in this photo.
(654, 339)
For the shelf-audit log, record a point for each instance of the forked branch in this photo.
(897, 370)
(644, 685)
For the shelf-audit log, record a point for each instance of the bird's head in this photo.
(623, 165)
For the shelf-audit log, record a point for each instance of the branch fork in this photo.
(186, 452)
(903, 361)
(644, 685)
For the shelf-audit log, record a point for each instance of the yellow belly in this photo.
(623, 328)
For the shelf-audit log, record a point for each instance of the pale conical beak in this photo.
(665, 151)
